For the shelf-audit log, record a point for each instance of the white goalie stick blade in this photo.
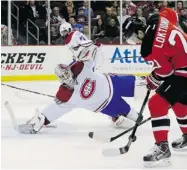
(25, 128)
(12, 117)
(22, 128)
(16, 127)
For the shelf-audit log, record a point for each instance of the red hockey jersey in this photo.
(169, 49)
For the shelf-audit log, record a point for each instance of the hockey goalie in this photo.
(83, 87)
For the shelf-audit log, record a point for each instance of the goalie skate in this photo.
(159, 156)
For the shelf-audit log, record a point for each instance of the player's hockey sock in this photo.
(160, 127)
(180, 111)
(160, 122)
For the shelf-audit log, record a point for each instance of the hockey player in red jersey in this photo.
(166, 46)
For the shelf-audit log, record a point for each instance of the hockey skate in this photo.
(180, 144)
(159, 156)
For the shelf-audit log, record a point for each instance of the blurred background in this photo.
(37, 22)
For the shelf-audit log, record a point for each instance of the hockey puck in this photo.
(90, 134)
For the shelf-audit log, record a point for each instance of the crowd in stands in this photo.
(104, 23)
(106, 27)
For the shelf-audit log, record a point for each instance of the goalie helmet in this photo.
(65, 29)
(65, 75)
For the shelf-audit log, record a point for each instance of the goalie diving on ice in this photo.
(83, 87)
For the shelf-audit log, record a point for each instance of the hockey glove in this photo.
(153, 81)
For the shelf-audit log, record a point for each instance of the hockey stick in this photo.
(20, 127)
(132, 138)
(103, 138)
(11, 114)
(27, 90)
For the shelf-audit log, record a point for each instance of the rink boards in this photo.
(31, 63)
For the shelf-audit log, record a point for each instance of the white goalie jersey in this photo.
(88, 92)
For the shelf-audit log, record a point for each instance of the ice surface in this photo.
(69, 146)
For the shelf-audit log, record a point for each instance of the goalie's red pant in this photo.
(158, 108)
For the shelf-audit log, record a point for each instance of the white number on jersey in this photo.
(172, 39)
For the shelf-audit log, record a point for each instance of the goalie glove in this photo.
(34, 125)
(153, 81)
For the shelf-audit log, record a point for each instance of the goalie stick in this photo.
(110, 152)
(20, 127)
(11, 114)
(14, 87)
(102, 138)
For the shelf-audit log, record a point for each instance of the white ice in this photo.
(69, 146)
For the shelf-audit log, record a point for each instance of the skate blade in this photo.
(161, 163)
(180, 149)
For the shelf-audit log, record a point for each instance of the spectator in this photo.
(43, 10)
(137, 37)
(124, 15)
(139, 14)
(164, 4)
(68, 10)
(55, 18)
(32, 10)
(131, 7)
(112, 29)
(114, 12)
(155, 11)
(55, 21)
(81, 18)
(69, 3)
(99, 29)
(115, 5)
(86, 31)
(86, 9)
(75, 25)
(108, 17)
(140, 35)
(183, 20)
(179, 6)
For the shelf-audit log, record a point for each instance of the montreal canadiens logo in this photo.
(87, 89)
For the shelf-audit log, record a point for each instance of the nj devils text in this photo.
(22, 61)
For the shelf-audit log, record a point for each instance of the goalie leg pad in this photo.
(122, 122)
